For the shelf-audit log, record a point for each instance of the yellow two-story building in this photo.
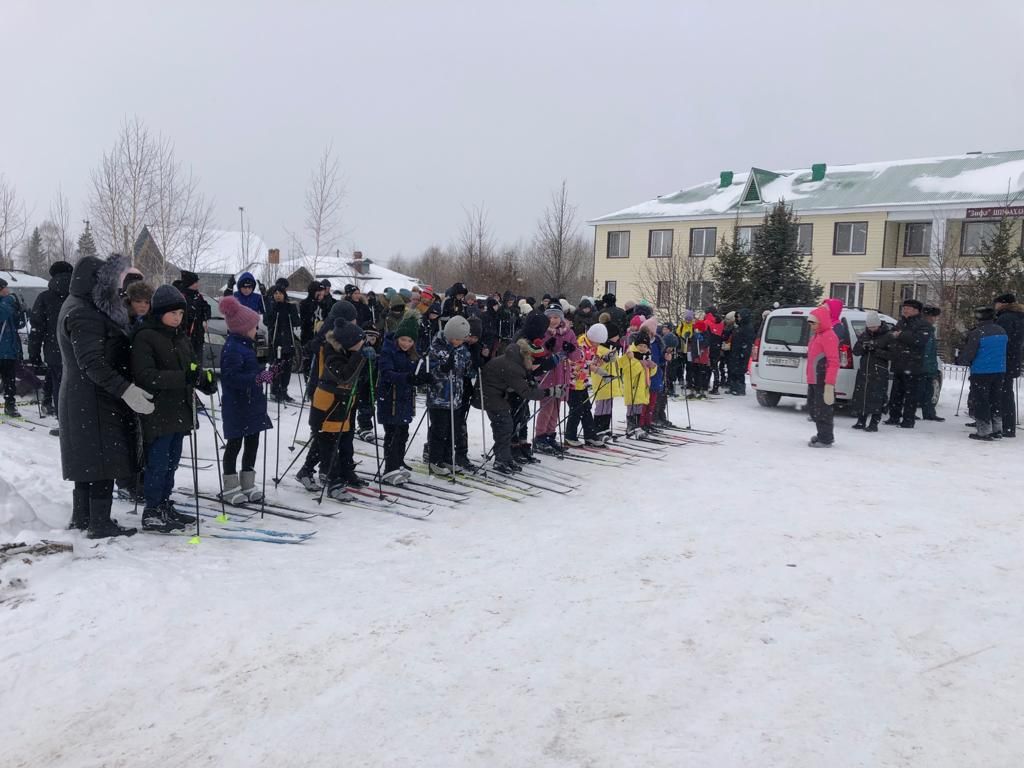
(875, 233)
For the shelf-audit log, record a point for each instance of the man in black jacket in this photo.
(1010, 316)
(197, 313)
(741, 344)
(42, 341)
(282, 320)
(907, 348)
(311, 311)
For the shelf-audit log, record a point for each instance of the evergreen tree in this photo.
(1001, 268)
(730, 272)
(86, 245)
(35, 256)
(778, 271)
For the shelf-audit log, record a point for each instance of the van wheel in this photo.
(768, 399)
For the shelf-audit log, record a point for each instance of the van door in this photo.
(784, 348)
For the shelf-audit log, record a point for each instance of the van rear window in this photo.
(859, 326)
(792, 330)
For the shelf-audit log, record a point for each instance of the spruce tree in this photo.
(778, 271)
(35, 257)
(86, 245)
(1001, 268)
(731, 274)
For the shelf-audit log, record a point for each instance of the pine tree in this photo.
(778, 271)
(1001, 269)
(35, 256)
(731, 275)
(86, 245)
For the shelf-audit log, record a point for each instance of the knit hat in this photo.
(608, 299)
(350, 289)
(139, 291)
(688, 316)
(131, 276)
(635, 322)
(434, 309)
(554, 311)
(347, 334)
(984, 313)
(614, 331)
(524, 306)
(457, 327)
(3, 283)
(565, 305)
(281, 282)
(597, 333)
(649, 326)
(1006, 298)
(60, 267)
(670, 340)
(730, 317)
(343, 309)
(476, 328)
(238, 317)
(642, 337)
(165, 299)
(629, 305)
(914, 304)
(409, 326)
(397, 303)
(188, 279)
(872, 319)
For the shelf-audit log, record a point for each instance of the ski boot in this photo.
(171, 513)
(155, 520)
(309, 482)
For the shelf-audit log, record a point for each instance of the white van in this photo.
(778, 362)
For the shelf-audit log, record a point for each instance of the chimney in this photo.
(725, 179)
(818, 172)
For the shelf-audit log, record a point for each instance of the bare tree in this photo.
(559, 253)
(666, 282)
(474, 248)
(198, 234)
(322, 225)
(124, 193)
(13, 222)
(58, 240)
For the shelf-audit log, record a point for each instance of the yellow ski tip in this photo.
(194, 540)
(222, 518)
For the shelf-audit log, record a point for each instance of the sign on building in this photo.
(1001, 212)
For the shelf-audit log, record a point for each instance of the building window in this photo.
(699, 294)
(659, 245)
(845, 291)
(804, 236)
(851, 238)
(913, 291)
(611, 286)
(702, 241)
(745, 237)
(618, 245)
(918, 240)
(975, 235)
(664, 294)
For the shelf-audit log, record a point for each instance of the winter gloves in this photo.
(830, 394)
(555, 392)
(138, 399)
(265, 377)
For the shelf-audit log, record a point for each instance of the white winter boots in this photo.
(241, 489)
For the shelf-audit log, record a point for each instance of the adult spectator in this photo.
(42, 341)
(985, 351)
(1010, 317)
(930, 367)
(311, 311)
(282, 321)
(197, 313)
(909, 340)
(741, 344)
(12, 317)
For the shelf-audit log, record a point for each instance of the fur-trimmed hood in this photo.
(99, 282)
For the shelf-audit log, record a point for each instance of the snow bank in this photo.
(16, 514)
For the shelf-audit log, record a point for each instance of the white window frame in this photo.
(846, 289)
(926, 240)
(611, 286)
(705, 293)
(745, 235)
(849, 244)
(665, 285)
(659, 236)
(809, 238)
(969, 226)
(707, 249)
(618, 240)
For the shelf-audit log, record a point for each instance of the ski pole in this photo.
(277, 435)
(451, 412)
(337, 443)
(223, 516)
(194, 445)
(373, 420)
(483, 427)
(963, 384)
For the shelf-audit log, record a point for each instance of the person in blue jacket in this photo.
(247, 294)
(12, 317)
(243, 401)
(398, 373)
(985, 351)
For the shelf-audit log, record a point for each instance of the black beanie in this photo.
(166, 298)
(347, 334)
(60, 267)
(188, 279)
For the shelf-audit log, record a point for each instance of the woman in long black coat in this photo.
(97, 423)
(872, 388)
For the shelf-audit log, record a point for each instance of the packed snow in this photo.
(748, 603)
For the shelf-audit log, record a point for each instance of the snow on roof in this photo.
(18, 279)
(922, 181)
(377, 279)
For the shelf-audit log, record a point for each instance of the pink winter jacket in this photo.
(823, 345)
(561, 375)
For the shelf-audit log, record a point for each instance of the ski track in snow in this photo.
(755, 603)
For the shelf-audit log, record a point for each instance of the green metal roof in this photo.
(992, 177)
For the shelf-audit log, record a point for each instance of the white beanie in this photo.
(598, 333)
(457, 327)
(524, 306)
(872, 319)
(565, 304)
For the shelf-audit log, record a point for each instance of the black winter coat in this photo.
(281, 319)
(1012, 321)
(310, 313)
(741, 341)
(42, 342)
(508, 374)
(161, 360)
(907, 349)
(97, 429)
(197, 315)
(872, 388)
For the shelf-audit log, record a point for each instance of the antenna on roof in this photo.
(975, 152)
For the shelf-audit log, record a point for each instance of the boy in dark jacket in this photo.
(197, 313)
(505, 376)
(398, 373)
(282, 320)
(311, 311)
(162, 365)
(448, 364)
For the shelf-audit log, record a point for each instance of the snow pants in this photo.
(988, 400)
(501, 431)
(903, 398)
(547, 416)
(1009, 405)
(162, 458)
(395, 438)
(439, 436)
(821, 413)
(580, 413)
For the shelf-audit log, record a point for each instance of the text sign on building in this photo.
(1014, 211)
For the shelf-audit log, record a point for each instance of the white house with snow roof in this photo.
(875, 233)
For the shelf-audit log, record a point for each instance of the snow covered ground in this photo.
(754, 603)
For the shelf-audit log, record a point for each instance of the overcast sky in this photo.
(438, 106)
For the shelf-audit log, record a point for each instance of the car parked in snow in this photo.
(779, 359)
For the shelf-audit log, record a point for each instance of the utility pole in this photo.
(241, 237)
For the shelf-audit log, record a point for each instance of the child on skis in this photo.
(397, 377)
(700, 360)
(606, 380)
(339, 364)
(580, 411)
(162, 365)
(504, 378)
(448, 362)
(635, 366)
(560, 342)
(243, 401)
